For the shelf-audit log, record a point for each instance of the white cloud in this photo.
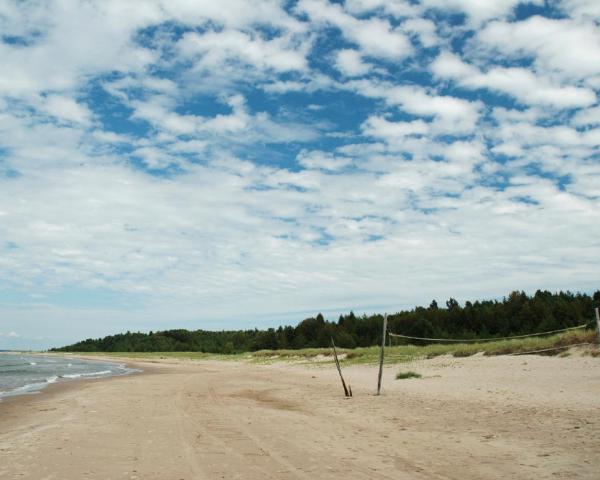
(424, 29)
(478, 11)
(518, 127)
(451, 115)
(34, 68)
(588, 116)
(586, 9)
(415, 139)
(239, 126)
(66, 109)
(350, 63)
(314, 82)
(217, 48)
(394, 131)
(570, 48)
(519, 83)
(323, 160)
(108, 29)
(390, 191)
(233, 229)
(158, 111)
(396, 8)
(374, 36)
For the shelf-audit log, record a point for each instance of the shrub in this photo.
(409, 374)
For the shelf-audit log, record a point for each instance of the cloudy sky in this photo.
(235, 164)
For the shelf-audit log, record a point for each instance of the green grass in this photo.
(409, 374)
(407, 353)
(394, 354)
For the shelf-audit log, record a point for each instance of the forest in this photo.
(516, 314)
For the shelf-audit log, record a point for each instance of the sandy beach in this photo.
(473, 418)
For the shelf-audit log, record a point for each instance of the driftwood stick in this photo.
(347, 391)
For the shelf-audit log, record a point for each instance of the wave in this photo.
(89, 374)
(29, 388)
(37, 375)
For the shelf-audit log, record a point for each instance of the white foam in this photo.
(30, 388)
(90, 374)
(93, 374)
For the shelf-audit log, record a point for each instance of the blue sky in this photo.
(236, 164)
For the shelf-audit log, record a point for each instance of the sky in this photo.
(250, 163)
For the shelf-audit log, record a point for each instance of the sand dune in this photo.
(473, 418)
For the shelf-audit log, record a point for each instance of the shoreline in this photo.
(467, 418)
(62, 382)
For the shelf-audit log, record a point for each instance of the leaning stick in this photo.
(347, 392)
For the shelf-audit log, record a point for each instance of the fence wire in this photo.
(479, 340)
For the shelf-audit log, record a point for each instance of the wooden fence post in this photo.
(381, 354)
(598, 323)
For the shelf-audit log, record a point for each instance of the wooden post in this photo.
(348, 390)
(381, 354)
(598, 323)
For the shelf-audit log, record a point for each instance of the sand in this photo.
(473, 418)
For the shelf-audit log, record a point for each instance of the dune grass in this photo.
(155, 355)
(407, 353)
(394, 354)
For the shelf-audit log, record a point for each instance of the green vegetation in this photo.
(393, 355)
(164, 355)
(516, 314)
(408, 353)
(409, 374)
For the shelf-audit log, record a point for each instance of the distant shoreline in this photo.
(67, 378)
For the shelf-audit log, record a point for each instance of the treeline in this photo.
(516, 314)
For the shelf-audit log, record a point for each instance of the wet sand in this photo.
(472, 418)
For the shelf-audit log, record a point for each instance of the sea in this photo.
(22, 374)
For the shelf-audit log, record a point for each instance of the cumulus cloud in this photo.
(238, 125)
(323, 160)
(424, 29)
(478, 12)
(394, 131)
(243, 161)
(519, 83)
(568, 47)
(375, 36)
(586, 9)
(451, 115)
(66, 109)
(350, 63)
(214, 49)
(395, 8)
(589, 116)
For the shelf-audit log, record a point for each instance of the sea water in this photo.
(27, 374)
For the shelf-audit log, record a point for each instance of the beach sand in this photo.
(472, 418)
